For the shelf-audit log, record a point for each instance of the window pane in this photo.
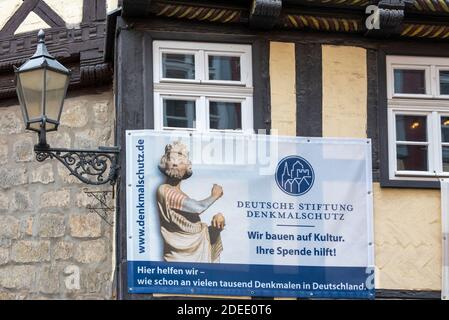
(409, 81)
(445, 129)
(444, 82)
(178, 66)
(224, 68)
(446, 159)
(411, 128)
(225, 115)
(179, 113)
(412, 158)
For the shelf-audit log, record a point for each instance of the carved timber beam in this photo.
(264, 14)
(135, 8)
(386, 17)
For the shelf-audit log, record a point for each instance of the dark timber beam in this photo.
(136, 8)
(264, 14)
(18, 17)
(47, 14)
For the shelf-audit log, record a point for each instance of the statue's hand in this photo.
(217, 191)
(218, 221)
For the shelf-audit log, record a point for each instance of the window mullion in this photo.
(434, 147)
(433, 80)
(201, 114)
(158, 112)
(201, 66)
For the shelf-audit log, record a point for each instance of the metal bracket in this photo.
(95, 167)
(101, 208)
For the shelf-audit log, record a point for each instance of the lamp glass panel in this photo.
(55, 93)
(32, 86)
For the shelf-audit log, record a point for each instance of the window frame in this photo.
(439, 69)
(432, 104)
(201, 87)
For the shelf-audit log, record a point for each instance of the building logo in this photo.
(294, 175)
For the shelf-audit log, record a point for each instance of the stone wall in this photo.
(51, 246)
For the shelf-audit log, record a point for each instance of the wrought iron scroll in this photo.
(101, 207)
(95, 167)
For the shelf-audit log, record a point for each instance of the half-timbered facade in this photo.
(375, 69)
(360, 69)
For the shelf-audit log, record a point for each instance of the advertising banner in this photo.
(249, 215)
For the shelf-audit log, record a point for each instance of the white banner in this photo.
(236, 206)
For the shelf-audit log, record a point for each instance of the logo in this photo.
(294, 175)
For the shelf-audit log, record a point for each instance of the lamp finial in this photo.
(41, 36)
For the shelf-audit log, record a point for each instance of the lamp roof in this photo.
(42, 59)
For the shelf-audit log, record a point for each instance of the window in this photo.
(202, 86)
(418, 117)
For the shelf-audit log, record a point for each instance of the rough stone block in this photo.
(20, 200)
(43, 174)
(14, 176)
(9, 227)
(49, 279)
(63, 250)
(58, 199)
(85, 225)
(65, 176)
(93, 138)
(101, 112)
(7, 296)
(95, 280)
(10, 122)
(23, 149)
(4, 256)
(51, 225)
(4, 202)
(30, 251)
(27, 224)
(3, 151)
(59, 139)
(17, 277)
(75, 113)
(93, 251)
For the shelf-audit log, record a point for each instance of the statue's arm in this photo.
(198, 207)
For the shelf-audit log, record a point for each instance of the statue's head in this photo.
(175, 162)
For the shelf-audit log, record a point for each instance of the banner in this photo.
(249, 215)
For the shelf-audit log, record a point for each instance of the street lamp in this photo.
(41, 84)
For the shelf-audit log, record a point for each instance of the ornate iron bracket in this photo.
(264, 14)
(101, 208)
(95, 167)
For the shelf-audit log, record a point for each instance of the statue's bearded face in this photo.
(177, 165)
(175, 162)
